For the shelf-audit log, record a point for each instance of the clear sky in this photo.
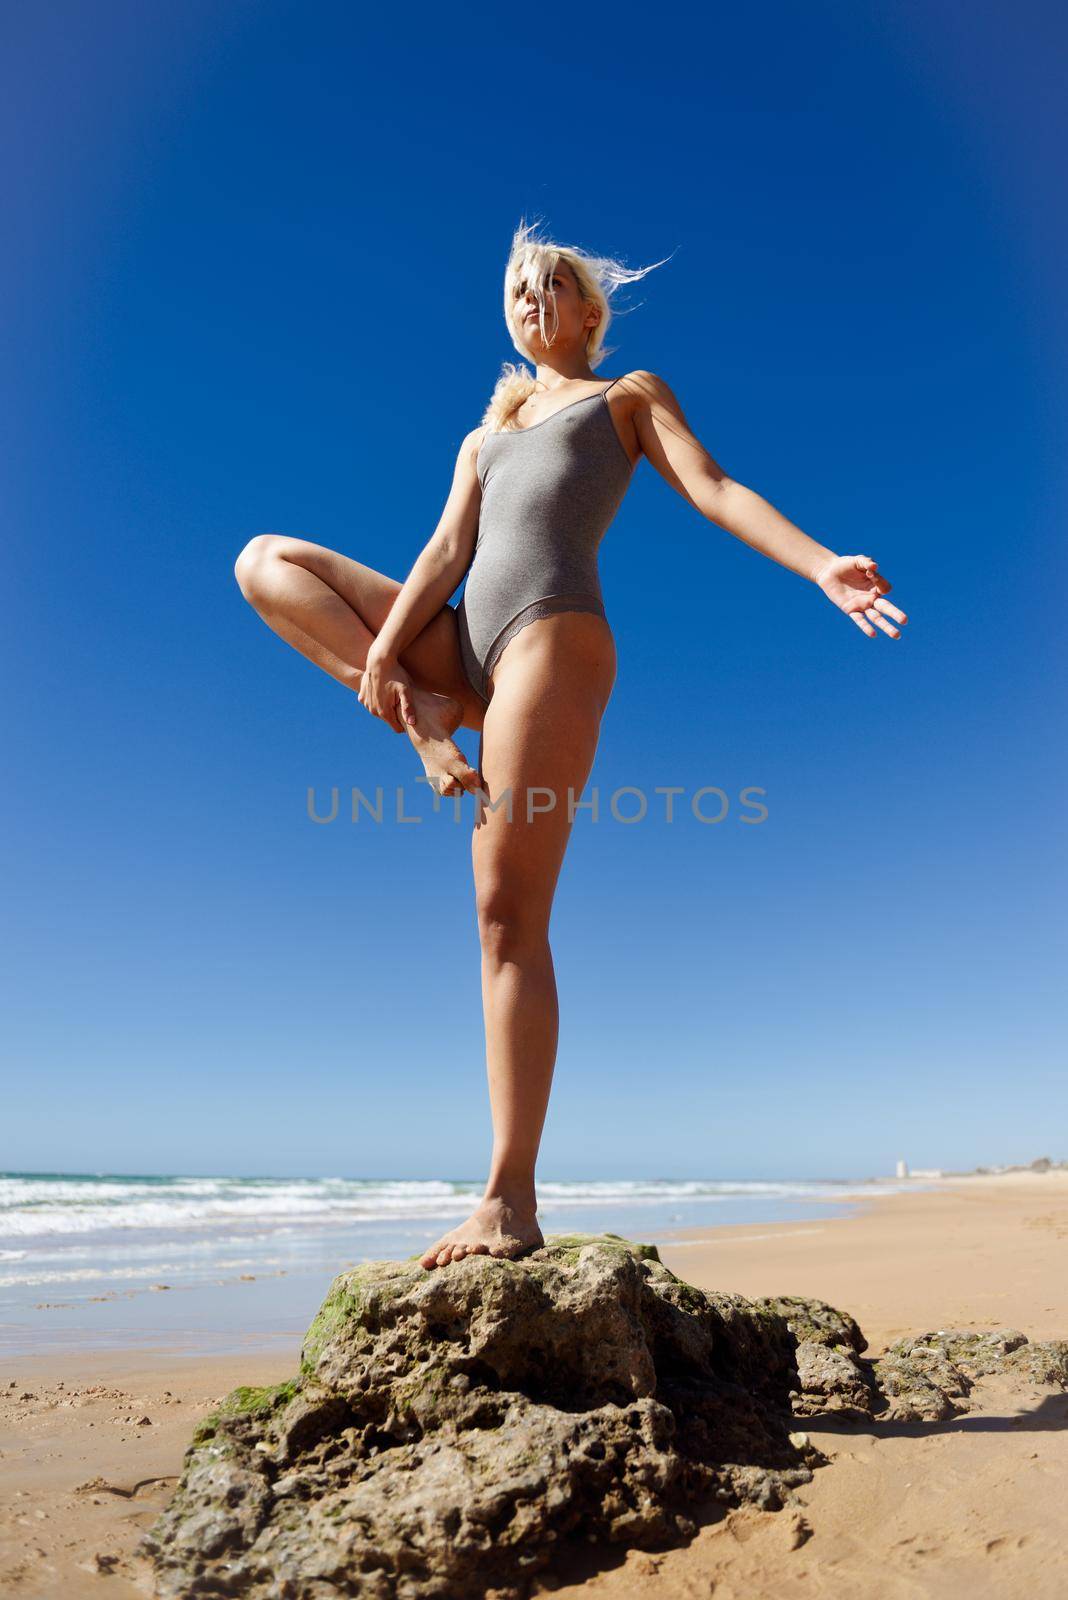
(252, 282)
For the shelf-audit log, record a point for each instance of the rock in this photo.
(816, 1321)
(1044, 1362)
(924, 1378)
(451, 1431)
(831, 1375)
(928, 1377)
(919, 1382)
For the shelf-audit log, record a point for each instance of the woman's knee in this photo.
(253, 564)
(509, 923)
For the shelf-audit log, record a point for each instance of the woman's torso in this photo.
(549, 492)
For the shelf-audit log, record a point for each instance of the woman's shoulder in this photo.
(472, 441)
(642, 381)
(471, 445)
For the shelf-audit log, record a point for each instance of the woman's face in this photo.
(573, 317)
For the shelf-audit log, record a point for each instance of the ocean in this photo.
(102, 1259)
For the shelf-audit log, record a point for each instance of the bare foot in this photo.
(434, 718)
(495, 1229)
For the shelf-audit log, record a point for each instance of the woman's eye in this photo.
(521, 288)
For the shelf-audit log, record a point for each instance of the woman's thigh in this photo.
(433, 657)
(539, 740)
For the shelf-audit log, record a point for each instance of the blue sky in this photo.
(253, 283)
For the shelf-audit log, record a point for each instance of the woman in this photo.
(527, 657)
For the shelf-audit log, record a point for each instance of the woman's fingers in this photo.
(386, 708)
(863, 602)
(402, 714)
(870, 568)
(394, 713)
(864, 616)
(887, 627)
(405, 704)
(891, 611)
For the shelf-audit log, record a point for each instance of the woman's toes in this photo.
(445, 1255)
(459, 1251)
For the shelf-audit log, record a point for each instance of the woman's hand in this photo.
(384, 690)
(856, 586)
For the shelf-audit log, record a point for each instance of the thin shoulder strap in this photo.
(612, 384)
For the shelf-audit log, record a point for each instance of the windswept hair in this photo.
(533, 261)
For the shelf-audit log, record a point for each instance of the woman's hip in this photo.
(556, 651)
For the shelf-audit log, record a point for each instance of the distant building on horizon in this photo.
(918, 1172)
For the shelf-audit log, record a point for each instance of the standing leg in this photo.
(550, 690)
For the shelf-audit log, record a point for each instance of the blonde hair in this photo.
(533, 261)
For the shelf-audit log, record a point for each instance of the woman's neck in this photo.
(547, 377)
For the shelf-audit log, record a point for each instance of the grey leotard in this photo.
(549, 492)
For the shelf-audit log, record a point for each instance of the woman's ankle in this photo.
(518, 1194)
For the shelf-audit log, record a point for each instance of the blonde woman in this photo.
(528, 656)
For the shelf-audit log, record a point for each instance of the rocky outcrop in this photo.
(929, 1377)
(925, 1378)
(830, 1373)
(452, 1432)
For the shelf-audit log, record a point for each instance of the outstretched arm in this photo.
(853, 583)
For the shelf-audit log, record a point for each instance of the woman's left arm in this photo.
(853, 583)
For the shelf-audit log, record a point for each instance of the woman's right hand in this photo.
(385, 690)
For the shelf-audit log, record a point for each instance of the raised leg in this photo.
(330, 607)
(550, 689)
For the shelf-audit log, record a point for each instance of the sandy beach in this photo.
(91, 1444)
